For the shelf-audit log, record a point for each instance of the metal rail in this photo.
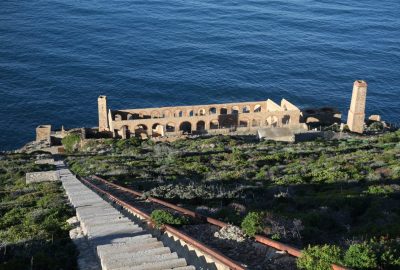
(259, 238)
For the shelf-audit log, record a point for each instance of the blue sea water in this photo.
(57, 56)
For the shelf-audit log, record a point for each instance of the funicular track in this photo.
(260, 253)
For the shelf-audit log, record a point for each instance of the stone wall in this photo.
(43, 133)
(202, 119)
(356, 116)
(103, 118)
(45, 161)
(37, 177)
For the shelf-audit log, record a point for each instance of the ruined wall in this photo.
(356, 116)
(197, 119)
(37, 177)
(43, 133)
(103, 117)
(200, 119)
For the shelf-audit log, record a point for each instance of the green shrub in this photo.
(71, 142)
(379, 190)
(360, 256)
(387, 252)
(376, 126)
(391, 137)
(252, 223)
(319, 257)
(162, 217)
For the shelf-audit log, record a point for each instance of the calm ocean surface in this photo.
(57, 56)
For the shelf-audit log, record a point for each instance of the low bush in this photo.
(360, 256)
(319, 257)
(162, 217)
(71, 142)
(252, 223)
(390, 137)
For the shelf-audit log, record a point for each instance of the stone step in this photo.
(157, 265)
(95, 211)
(189, 267)
(127, 241)
(107, 231)
(94, 227)
(142, 260)
(137, 238)
(116, 238)
(104, 238)
(105, 216)
(108, 258)
(105, 222)
(112, 225)
(129, 248)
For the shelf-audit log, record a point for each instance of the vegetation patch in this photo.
(162, 217)
(335, 193)
(71, 142)
(33, 229)
(252, 224)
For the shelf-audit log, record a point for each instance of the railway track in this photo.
(260, 253)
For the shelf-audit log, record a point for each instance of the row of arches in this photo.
(187, 127)
(190, 113)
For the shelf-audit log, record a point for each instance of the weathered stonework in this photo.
(375, 118)
(36, 177)
(356, 116)
(198, 119)
(103, 118)
(45, 161)
(43, 133)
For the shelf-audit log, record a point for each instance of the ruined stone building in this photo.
(267, 119)
(198, 119)
(356, 116)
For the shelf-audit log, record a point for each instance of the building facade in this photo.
(195, 120)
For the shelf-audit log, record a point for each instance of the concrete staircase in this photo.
(119, 243)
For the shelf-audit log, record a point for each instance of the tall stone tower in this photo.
(103, 119)
(356, 116)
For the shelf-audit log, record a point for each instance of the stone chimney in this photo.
(103, 119)
(356, 115)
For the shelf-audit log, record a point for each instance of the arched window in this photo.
(157, 130)
(117, 117)
(139, 129)
(170, 127)
(243, 123)
(286, 120)
(213, 110)
(200, 126)
(155, 126)
(235, 110)
(223, 111)
(178, 113)
(246, 109)
(272, 121)
(257, 108)
(185, 127)
(202, 111)
(214, 124)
